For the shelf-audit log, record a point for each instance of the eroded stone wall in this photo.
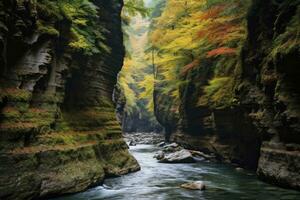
(58, 129)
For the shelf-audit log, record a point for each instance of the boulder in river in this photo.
(171, 148)
(197, 185)
(159, 155)
(239, 169)
(202, 155)
(182, 156)
(172, 145)
(132, 143)
(161, 144)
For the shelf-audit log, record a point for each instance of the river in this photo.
(158, 181)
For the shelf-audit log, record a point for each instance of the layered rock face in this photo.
(273, 84)
(258, 128)
(58, 129)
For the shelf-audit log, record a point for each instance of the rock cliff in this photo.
(245, 109)
(58, 129)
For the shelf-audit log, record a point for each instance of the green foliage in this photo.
(47, 29)
(135, 7)
(289, 40)
(136, 79)
(218, 93)
(85, 34)
(190, 35)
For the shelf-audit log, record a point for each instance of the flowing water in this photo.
(158, 181)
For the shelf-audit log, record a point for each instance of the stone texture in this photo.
(182, 156)
(58, 129)
(197, 185)
(280, 163)
(265, 106)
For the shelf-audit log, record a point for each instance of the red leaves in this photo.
(218, 32)
(190, 66)
(221, 51)
(213, 12)
(220, 28)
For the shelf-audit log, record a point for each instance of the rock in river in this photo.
(159, 155)
(182, 156)
(170, 148)
(197, 185)
(132, 143)
(161, 144)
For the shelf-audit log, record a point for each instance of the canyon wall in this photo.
(58, 129)
(245, 109)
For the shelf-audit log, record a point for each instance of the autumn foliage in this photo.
(221, 51)
(190, 34)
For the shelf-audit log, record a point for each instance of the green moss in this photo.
(39, 117)
(21, 106)
(15, 95)
(118, 161)
(18, 117)
(105, 103)
(88, 119)
(47, 98)
(289, 40)
(10, 113)
(62, 125)
(68, 138)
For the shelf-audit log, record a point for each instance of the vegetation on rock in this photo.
(84, 34)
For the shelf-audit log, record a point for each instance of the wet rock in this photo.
(172, 145)
(132, 143)
(182, 156)
(161, 144)
(202, 155)
(170, 148)
(197, 185)
(159, 155)
(239, 169)
(144, 138)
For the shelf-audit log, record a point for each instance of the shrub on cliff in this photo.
(84, 35)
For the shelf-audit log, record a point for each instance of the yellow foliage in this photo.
(217, 93)
(188, 33)
(136, 78)
(79, 41)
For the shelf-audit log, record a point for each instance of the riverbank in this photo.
(162, 181)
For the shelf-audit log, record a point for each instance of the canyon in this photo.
(220, 77)
(245, 109)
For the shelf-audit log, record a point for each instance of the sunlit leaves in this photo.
(188, 33)
(135, 7)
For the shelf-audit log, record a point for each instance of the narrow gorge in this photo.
(88, 88)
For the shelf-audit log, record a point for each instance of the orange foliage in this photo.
(190, 66)
(221, 51)
(213, 12)
(217, 31)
